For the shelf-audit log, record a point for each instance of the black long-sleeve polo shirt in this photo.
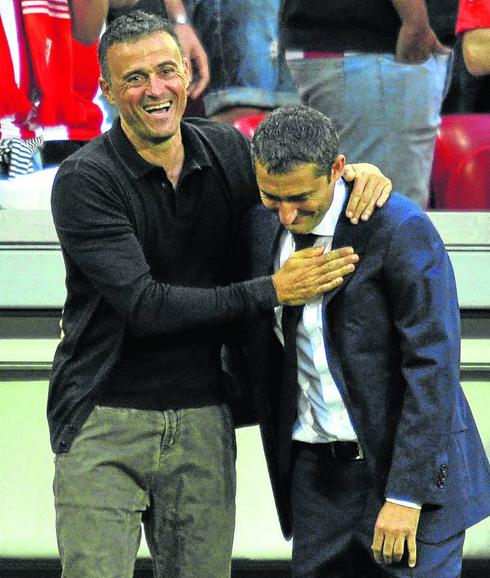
(147, 274)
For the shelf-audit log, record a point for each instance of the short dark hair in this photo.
(293, 135)
(130, 27)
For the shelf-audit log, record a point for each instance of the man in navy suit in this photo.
(375, 461)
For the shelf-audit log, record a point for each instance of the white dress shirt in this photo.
(322, 416)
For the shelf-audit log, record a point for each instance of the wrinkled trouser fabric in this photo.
(334, 512)
(172, 471)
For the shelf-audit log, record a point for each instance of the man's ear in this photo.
(337, 168)
(106, 89)
(188, 72)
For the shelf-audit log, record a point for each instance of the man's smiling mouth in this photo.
(159, 108)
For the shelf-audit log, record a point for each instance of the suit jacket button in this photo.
(440, 484)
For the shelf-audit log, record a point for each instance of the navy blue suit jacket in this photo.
(392, 338)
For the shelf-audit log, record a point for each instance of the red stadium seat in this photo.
(248, 124)
(461, 169)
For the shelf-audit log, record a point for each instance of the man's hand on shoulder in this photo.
(309, 273)
(371, 189)
(395, 526)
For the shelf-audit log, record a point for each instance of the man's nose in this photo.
(287, 213)
(154, 85)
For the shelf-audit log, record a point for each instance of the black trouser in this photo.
(334, 512)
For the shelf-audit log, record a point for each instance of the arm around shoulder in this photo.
(104, 255)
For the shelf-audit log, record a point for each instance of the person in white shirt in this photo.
(375, 461)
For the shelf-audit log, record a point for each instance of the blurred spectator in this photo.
(467, 93)
(246, 76)
(379, 69)
(474, 26)
(48, 84)
(90, 16)
(470, 86)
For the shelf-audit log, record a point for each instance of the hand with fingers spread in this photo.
(309, 273)
(396, 527)
(371, 189)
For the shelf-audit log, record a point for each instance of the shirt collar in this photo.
(196, 155)
(326, 227)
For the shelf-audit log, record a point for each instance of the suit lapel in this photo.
(277, 232)
(268, 234)
(346, 235)
(265, 238)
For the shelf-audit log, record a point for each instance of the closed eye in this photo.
(299, 198)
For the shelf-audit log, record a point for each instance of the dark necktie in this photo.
(304, 241)
(291, 316)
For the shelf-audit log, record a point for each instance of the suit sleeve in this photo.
(98, 240)
(422, 288)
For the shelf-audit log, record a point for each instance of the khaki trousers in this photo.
(171, 471)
